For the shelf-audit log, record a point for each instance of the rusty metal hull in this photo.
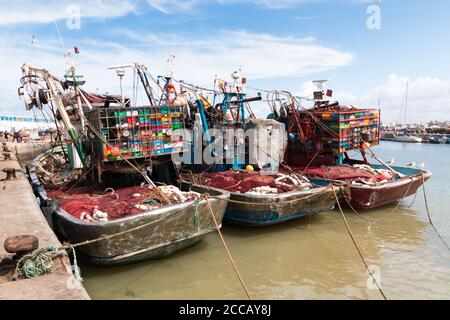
(260, 211)
(156, 234)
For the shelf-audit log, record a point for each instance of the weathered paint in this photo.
(165, 230)
(264, 210)
(365, 197)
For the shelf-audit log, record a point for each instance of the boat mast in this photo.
(51, 84)
(142, 72)
(406, 102)
(120, 71)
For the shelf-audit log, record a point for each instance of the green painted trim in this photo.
(78, 146)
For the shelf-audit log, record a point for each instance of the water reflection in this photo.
(291, 261)
(298, 260)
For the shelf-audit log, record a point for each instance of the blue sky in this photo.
(278, 44)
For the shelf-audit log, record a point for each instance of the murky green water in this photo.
(298, 260)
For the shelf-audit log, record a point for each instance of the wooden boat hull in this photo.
(156, 234)
(366, 197)
(260, 211)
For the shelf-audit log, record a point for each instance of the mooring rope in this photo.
(264, 203)
(35, 264)
(146, 178)
(429, 214)
(196, 203)
(114, 235)
(352, 236)
(230, 257)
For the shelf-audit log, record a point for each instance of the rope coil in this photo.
(38, 263)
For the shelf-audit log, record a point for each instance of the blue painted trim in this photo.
(267, 218)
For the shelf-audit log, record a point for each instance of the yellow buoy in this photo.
(249, 168)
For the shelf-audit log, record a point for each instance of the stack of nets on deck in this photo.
(115, 204)
(352, 174)
(253, 183)
(53, 172)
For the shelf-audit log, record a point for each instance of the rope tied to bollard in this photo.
(35, 264)
(40, 261)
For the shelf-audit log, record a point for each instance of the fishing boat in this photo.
(321, 138)
(445, 139)
(433, 139)
(258, 200)
(407, 139)
(372, 186)
(259, 194)
(406, 136)
(137, 217)
(152, 234)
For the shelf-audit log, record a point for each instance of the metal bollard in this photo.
(10, 173)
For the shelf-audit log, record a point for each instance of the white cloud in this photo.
(198, 59)
(31, 11)
(428, 99)
(172, 6)
(187, 6)
(273, 4)
(261, 56)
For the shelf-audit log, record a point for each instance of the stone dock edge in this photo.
(20, 214)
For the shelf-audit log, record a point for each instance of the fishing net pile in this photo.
(352, 174)
(253, 182)
(52, 171)
(115, 204)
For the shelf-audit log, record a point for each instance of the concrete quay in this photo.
(20, 215)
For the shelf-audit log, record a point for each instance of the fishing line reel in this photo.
(34, 97)
(34, 90)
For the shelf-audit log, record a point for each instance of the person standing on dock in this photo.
(16, 136)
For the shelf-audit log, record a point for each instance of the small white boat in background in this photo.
(408, 139)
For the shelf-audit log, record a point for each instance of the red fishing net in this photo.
(79, 200)
(117, 204)
(344, 173)
(240, 181)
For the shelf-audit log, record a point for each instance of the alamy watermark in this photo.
(74, 281)
(261, 145)
(73, 21)
(374, 280)
(374, 19)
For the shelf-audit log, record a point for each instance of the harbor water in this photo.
(310, 258)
